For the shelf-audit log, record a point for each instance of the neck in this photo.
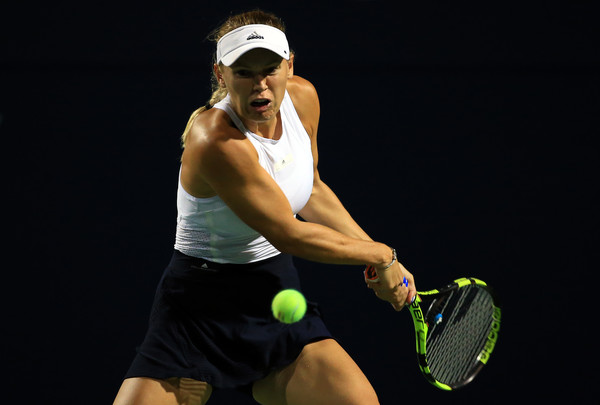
(270, 129)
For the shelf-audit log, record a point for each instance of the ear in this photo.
(218, 75)
(291, 66)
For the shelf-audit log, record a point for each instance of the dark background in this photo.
(461, 135)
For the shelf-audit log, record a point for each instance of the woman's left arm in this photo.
(323, 207)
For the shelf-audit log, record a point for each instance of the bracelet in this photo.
(394, 258)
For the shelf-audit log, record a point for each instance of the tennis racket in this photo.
(456, 328)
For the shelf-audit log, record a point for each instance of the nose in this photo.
(260, 83)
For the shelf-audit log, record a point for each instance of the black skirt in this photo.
(213, 322)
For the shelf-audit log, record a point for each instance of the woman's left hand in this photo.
(389, 286)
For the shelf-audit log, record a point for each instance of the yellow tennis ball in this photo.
(289, 306)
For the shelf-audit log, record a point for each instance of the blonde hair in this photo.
(233, 22)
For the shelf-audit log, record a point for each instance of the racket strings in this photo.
(453, 346)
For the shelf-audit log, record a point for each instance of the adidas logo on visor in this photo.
(254, 35)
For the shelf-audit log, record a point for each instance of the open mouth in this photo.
(260, 102)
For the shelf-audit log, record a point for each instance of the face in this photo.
(256, 83)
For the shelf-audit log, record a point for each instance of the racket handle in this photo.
(405, 281)
(370, 274)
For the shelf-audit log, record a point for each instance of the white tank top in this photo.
(207, 228)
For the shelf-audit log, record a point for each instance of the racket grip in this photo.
(405, 281)
(371, 274)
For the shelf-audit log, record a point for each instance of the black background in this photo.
(463, 135)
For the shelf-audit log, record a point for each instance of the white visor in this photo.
(239, 41)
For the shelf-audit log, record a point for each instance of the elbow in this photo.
(286, 239)
(284, 243)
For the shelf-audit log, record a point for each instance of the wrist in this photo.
(390, 262)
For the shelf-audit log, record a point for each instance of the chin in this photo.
(262, 117)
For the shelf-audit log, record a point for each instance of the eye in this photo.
(243, 73)
(272, 70)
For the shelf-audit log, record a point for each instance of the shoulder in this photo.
(306, 102)
(214, 149)
(210, 127)
(302, 93)
(300, 88)
(212, 133)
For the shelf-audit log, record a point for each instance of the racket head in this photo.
(456, 329)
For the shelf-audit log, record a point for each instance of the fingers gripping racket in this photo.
(456, 329)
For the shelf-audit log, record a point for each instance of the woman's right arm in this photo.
(225, 160)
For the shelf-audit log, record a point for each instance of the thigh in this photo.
(323, 374)
(174, 391)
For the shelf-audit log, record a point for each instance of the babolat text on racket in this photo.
(456, 328)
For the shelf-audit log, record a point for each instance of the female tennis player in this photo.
(249, 165)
